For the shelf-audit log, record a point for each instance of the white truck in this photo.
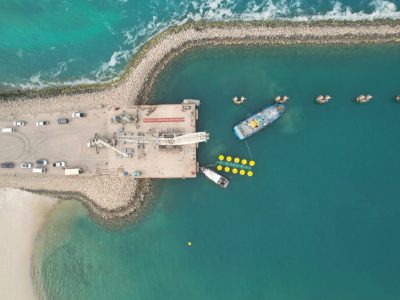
(73, 171)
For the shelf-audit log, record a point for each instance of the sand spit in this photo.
(21, 215)
(112, 197)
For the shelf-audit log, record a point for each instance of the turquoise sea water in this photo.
(75, 41)
(319, 219)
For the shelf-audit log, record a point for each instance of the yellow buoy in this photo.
(221, 157)
(189, 244)
(234, 170)
(252, 163)
(219, 167)
(249, 173)
(244, 162)
(227, 169)
(228, 158)
(236, 160)
(242, 172)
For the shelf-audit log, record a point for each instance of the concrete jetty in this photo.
(73, 142)
(114, 179)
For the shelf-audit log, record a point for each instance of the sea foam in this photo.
(169, 13)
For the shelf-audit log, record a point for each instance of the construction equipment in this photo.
(98, 141)
(167, 139)
(123, 118)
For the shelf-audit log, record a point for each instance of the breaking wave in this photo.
(165, 13)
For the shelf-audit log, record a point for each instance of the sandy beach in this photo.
(21, 215)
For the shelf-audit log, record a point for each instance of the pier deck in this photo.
(68, 142)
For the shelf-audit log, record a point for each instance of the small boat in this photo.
(281, 100)
(215, 177)
(236, 100)
(258, 121)
(323, 99)
(363, 98)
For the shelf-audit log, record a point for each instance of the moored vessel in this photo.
(363, 98)
(279, 99)
(215, 177)
(237, 100)
(323, 99)
(258, 121)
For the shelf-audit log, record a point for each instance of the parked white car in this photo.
(39, 170)
(26, 165)
(42, 123)
(59, 164)
(78, 114)
(19, 123)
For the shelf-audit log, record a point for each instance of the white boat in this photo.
(215, 177)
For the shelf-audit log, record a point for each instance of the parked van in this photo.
(7, 130)
(39, 170)
(73, 171)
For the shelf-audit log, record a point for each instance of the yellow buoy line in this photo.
(235, 165)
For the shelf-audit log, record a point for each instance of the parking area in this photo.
(53, 142)
(68, 142)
